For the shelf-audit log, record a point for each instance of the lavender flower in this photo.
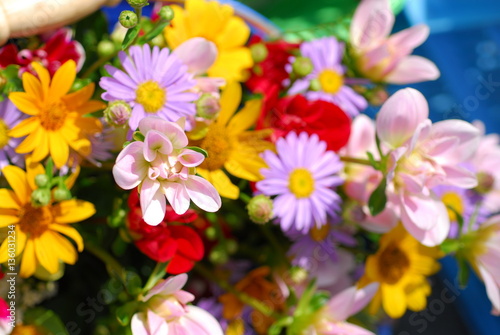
(10, 116)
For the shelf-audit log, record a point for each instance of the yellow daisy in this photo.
(231, 145)
(57, 121)
(216, 23)
(401, 266)
(38, 239)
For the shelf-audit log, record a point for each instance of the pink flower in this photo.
(485, 162)
(331, 318)
(424, 155)
(199, 55)
(167, 312)
(163, 167)
(361, 180)
(384, 58)
(5, 326)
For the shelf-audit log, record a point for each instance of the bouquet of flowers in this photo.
(214, 180)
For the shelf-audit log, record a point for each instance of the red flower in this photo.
(58, 49)
(296, 113)
(169, 241)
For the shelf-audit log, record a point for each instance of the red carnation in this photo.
(296, 113)
(58, 48)
(170, 241)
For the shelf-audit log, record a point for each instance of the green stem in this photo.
(474, 216)
(245, 197)
(243, 297)
(113, 267)
(355, 160)
(97, 64)
(157, 274)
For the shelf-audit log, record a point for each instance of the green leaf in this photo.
(277, 327)
(373, 161)
(138, 136)
(157, 30)
(463, 272)
(45, 319)
(319, 300)
(378, 198)
(124, 313)
(130, 37)
(200, 150)
(133, 283)
(450, 246)
(49, 168)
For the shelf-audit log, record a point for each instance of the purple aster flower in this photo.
(463, 202)
(10, 116)
(302, 177)
(155, 82)
(327, 76)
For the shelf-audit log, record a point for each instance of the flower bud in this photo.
(485, 182)
(298, 274)
(166, 13)
(128, 19)
(41, 180)
(40, 197)
(302, 66)
(207, 106)
(211, 233)
(138, 3)
(118, 113)
(105, 48)
(61, 194)
(315, 85)
(259, 52)
(218, 255)
(260, 209)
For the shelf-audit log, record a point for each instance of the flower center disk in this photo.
(331, 81)
(393, 264)
(301, 183)
(35, 220)
(218, 145)
(4, 138)
(151, 96)
(53, 117)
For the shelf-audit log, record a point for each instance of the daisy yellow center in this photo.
(4, 138)
(218, 145)
(319, 234)
(331, 81)
(53, 116)
(35, 220)
(151, 96)
(393, 264)
(301, 183)
(454, 204)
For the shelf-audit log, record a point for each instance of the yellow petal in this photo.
(417, 295)
(235, 34)
(25, 127)
(90, 107)
(20, 241)
(72, 211)
(25, 103)
(393, 300)
(28, 262)
(46, 253)
(70, 181)
(66, 250)
(242, 171)
(82, 146)
(32, 86)
(229, 102)
(71, 233)
(78, 98)
(245, 118)
(8, 217)
(177, 32)
(32, 170)
(44, 76)
(16, 178)
(232, 64)
(221, 182)
(62, 81)
(42, 149)
(59, 149)
(8, 200)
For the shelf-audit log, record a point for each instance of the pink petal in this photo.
(203, 194)
(362, 138)
(191, 158)
(459, 177)
(363, 296)
(346, 328)
(197, 321)
(168, 286)
(492, 289)
(371, 24)
(172, 130)
(198, 54)
(420, 210)
(130, 167)
(148, 324)
(381, 223)
(413, 69)
(156, 142)
(153, 203)
(176, 196)
(400, 116)
(408, 39)
(468, 137)
(340, 305)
